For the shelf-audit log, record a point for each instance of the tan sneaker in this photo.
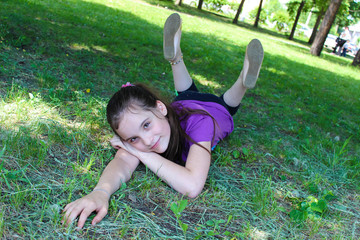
(253, 59)
(172, 37)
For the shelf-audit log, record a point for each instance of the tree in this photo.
(275, 14)
(281, 19)
(258, 14)
(348, 13)
(235, 21)
(295, 8)
(178, 2)
(356, 61)
(318, 8)
(354, 11)
(200, 4)
(216, 5)
(326, 24)
(301, 6)
(320, 15)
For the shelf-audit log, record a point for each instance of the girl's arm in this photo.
(188, 180)
(118, 171)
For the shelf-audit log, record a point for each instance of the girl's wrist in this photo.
(144, 156)
(102, 190)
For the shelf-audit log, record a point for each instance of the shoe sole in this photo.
(172, 25)
(255, 56)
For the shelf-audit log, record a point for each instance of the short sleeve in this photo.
(200, 128)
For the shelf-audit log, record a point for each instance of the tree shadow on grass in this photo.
(62, 51)
(328, 55)
(102, 47)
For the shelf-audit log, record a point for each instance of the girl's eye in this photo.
(132, 140)
(146, 125)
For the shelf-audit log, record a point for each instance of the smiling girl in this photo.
(174, 141)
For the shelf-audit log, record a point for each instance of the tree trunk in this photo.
(235, 21)
(178, 2)
(302, 4)
(200, 4)
(329, 18)
(356, 61)
(258, 14)
(317, 23)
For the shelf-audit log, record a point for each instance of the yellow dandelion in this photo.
(88, 90)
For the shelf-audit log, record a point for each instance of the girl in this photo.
(174, 141)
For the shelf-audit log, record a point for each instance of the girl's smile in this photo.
(155, 145)
(147, 131)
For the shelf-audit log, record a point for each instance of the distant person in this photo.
(341, 40)
(345, 48)
(173, 140)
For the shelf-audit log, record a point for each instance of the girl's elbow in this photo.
(193, 194)
(194, 190)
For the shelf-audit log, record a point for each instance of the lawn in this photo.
(290, 170)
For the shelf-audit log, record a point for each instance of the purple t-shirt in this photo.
(201, 127)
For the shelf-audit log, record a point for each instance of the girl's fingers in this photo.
(68, 206)
(83, 216)
(72, 215)
(83, 208)
(67, 212)
(121, 144)
(99, 216)
(116, 142)
(72, 210)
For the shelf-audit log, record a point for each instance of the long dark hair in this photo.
(141, 96)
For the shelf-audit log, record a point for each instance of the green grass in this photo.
(290, 170)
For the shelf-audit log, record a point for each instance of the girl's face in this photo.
(144, 130)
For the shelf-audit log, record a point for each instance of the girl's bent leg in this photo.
(172, 52)
(247, 79)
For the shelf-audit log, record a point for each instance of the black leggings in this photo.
(192, 93)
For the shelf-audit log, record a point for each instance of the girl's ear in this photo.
(161, 107)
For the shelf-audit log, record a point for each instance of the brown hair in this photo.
(141, 96)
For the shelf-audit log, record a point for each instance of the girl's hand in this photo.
(117, 144)
(95, 201)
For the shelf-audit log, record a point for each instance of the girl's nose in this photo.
(147, 139)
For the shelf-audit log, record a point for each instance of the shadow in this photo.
(191, 10)
(103, 47)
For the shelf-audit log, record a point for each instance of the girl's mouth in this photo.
(155, 145)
